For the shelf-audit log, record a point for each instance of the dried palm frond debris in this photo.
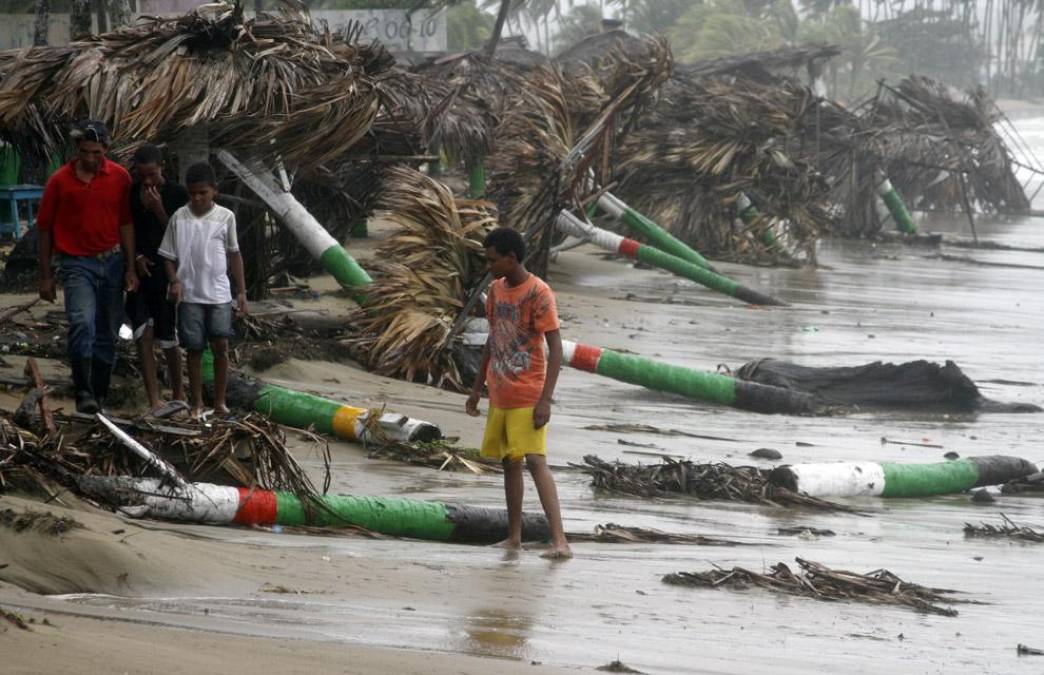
(611, 533)
(818, 581)
(267, 85)
(1007, 530)
(249, 452)
(443, 455)
(711, 481)
(421, 278)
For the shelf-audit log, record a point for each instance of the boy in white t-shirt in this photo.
(199, 248)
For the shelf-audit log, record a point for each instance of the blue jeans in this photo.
(199, 323)
(93, 291)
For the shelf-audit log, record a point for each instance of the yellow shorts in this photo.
(510, 434)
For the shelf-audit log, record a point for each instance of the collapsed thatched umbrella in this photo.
(712, 139)
(270, 85)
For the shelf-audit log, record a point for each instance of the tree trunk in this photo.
(80, 20)
(43, 18)
(103, 19)
(498, 27)
(119, 13)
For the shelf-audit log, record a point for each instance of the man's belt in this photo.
(104, 255)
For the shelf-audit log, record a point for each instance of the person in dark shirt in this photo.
(151, 313)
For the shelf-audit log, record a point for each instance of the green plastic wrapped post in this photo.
(892, 199)
(476, 179)
(390, 516)
(665, 377)
(920, 480)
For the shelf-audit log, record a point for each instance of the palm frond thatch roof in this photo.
(272, 83)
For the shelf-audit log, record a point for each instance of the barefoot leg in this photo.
(545, 485)
(513, 489)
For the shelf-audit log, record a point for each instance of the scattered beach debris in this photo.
(803, 529)
(1023, 650)
(892, 441)
(44, 522)
(818, 581)
(1008, 530)
(618, 666)
(443, 455)
(982, 497)
(649, 429)
(611, 533)
(250, 451)
(1033, 484)
(15, 618)
(712, 481)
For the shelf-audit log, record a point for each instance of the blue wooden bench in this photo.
(10, 222)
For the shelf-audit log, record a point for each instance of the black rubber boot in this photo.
(81, 372)
(101, 372)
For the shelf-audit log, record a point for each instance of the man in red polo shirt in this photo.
(85, 218)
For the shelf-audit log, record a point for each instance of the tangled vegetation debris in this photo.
(818, 581)
(611, 533)
(1007, 530)
(711, 481)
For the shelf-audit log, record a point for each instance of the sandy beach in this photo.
(144, 597)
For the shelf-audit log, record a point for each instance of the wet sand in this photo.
(867, 302)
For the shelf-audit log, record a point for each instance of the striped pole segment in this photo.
(697, 384)
(653, 233)
(302, 410)
(569, 224)
(890, 479)
(892, 199)
(302, 224)
(308, 411)
(225, 505)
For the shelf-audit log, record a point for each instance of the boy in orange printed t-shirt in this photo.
(522, 317)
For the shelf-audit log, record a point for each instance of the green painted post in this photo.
(476, 179)
(894, 201)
